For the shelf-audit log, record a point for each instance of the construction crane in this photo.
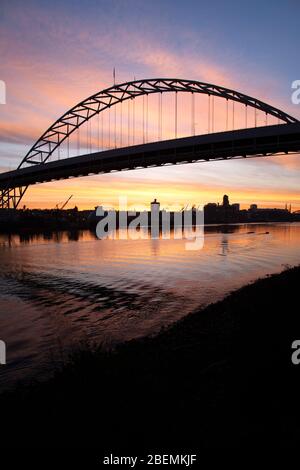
(64, 205)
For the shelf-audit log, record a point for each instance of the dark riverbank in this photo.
(47, 220)
(222, 377)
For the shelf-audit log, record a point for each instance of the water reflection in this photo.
(57, 289)
(24, 238)
(224, 245)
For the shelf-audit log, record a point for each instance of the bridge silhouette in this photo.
(43, 163)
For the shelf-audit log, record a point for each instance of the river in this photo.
(60, 290)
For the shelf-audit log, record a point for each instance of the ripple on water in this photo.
(55, 293)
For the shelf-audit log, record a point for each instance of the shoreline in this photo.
(13, 230)
(222, 376)
(40, 231)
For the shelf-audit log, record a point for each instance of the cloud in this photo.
(50, 65)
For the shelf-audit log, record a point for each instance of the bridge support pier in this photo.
(10, 198)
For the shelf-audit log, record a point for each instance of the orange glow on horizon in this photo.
(47, 88)
(139, 194)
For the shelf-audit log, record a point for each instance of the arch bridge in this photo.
(43, 161)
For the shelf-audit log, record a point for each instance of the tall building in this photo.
(235, 207)
(155, 206)
(226, 212)
(226, 200)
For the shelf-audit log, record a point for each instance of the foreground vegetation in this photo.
(222, 377)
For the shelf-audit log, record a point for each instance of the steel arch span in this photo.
(69, 122)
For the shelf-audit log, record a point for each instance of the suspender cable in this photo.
(90, 134)
(233, 115)
(161, 115)
(109, 127)
(102, 133)
(98, 131)
(158, 115)
(208, 113)
(226, 114)
(133, 121)
(87, 136)
(128, 124)
(121, 124)
(213, 113)
(147, 135)
(193, 114)
(159, 110)
(175, 114)
(143, 119)
(115, 125)
(78, 141)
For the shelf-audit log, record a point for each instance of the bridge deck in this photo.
(260, 141)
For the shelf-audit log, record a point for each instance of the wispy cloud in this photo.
(52, 59)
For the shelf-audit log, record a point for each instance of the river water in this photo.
(63, 289)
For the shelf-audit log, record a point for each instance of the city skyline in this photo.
(167, 207)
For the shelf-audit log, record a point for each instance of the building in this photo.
(226, 201)
(236, 207)
(224, 213)
(155, 206)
